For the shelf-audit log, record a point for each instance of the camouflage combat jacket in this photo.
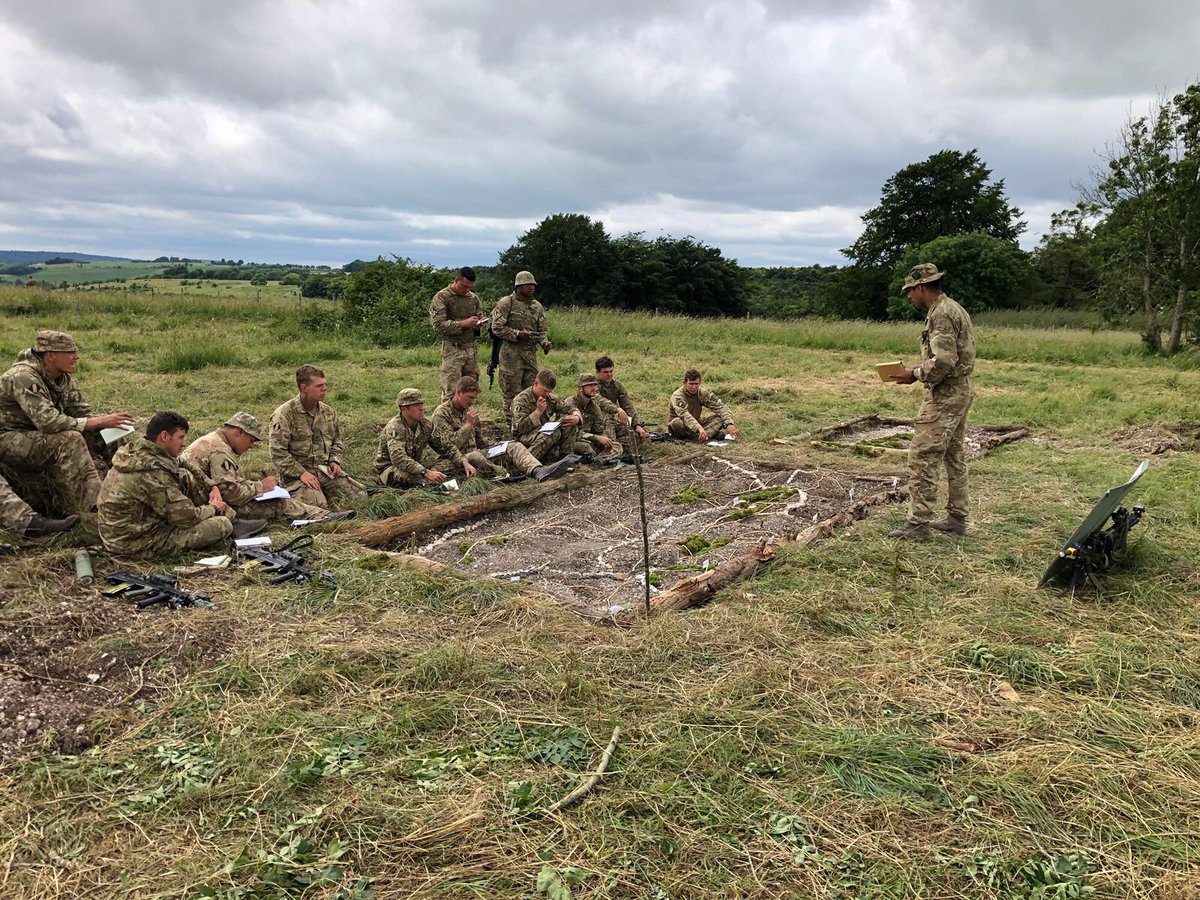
(596, 415)
(690, 407)
(145, 488)
(450, 424)
(524, 411)
(447, 309)
(614, 392)
(947, 344)
(212, 456)
(304, 443)
(402, 447)
(31, 401)
(513, 314)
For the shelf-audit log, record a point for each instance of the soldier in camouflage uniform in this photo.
(457, 421)
(947, 361)
(687, 419)
(45, 422)
(402, 444)
(533, 408)
(457, 317)
(151, 505)
(519, 322)
(20, 518)
(216, 454)
(306, 445)
(628, 429)
(596, 434)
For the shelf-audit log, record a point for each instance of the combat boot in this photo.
(952, 524)
(545, 473)
(243, 528)
(915, 531)
(41, 526)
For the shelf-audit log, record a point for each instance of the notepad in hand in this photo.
(550, 427)
(279, 492)
(888, 369)
(497, 450)
(109, 435)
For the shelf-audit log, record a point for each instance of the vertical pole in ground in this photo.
(637, 463)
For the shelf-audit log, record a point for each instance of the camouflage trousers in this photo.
(458, 361)
(518, 368)
(516, 457)
(15, 513)
(938, 433)
(167, 540)
(63, 456)
(344, 489)
(548, 448)
(678, 428)
(273, 510)
(592, 446)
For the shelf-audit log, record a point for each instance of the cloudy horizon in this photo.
(327, 131)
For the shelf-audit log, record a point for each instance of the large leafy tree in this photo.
(570, 255)
(982, 272)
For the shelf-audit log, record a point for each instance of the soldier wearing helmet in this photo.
(519, 321)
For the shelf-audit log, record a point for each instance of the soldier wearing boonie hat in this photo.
(947, 361)
(45, 424)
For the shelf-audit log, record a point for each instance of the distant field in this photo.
(77, 273)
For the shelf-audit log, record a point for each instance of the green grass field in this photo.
(859, 720)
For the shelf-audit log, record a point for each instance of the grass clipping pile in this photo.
(584, 546)
(876, 435)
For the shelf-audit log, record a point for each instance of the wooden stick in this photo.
(595, 776)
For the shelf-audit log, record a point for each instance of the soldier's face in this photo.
(605, 375)
(313, 391)
(413, 413)
(61, 361)
(526, 290)
(465, 399)
(240, 441)
(590, 390)
(918, 296)
(540, 390)
(172, 441)
(692, 387)
(462, 287)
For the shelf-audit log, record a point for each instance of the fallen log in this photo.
(821, 530)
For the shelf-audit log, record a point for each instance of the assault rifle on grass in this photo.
(151, 590)
(284, 564)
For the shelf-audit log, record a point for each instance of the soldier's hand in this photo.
(469, 469)
(703, 438)
(547, 346)
(731, 431)
(623, 417)
(269, 483)
(642, 433)
(215, 499)
(541, 405)
(336, 470)
(572, 419)
(309, 480)
(435, 476)
(604, 442)
(471, 419)
(907, 378)
(112, 420)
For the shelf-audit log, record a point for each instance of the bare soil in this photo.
(897, 434)
(1156, 438)
(585, 547)
(80, 656)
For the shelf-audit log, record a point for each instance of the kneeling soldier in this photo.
(149, 504)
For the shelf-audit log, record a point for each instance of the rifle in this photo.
(284, 564)
(153, 589)
(491, 369)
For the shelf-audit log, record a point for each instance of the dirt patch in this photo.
(83, 655)
(1155, 438)
(585, 546)
(878, 435)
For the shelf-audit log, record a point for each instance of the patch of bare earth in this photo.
(82, 656)
(585, 546)
(885, 433)
(1155, 438)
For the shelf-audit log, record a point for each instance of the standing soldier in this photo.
(44, 420)
(519, 322)
(947, 361)
(150, 504)
(533, 409)
(216, 454)
(306, 444)
(597, 418)
(457, 317)
(687, 419)
(613, 391)
(19, 517)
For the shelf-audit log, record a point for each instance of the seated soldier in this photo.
(687, 417)
(306, 445)
(533, 409)
(398, 463)
(46, 427)
(596, 435)
(216, 454)
(20, 518)
(613, 391)
(150, 504)
(457, 422)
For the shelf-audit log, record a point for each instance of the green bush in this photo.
(389, 299)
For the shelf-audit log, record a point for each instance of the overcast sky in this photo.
(318, 132)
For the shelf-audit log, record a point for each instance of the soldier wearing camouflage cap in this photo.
(399, 460)
(46, 427)
(596, 435)
(947, 361)
(456, 314)
(215, 455)
(519, 321)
